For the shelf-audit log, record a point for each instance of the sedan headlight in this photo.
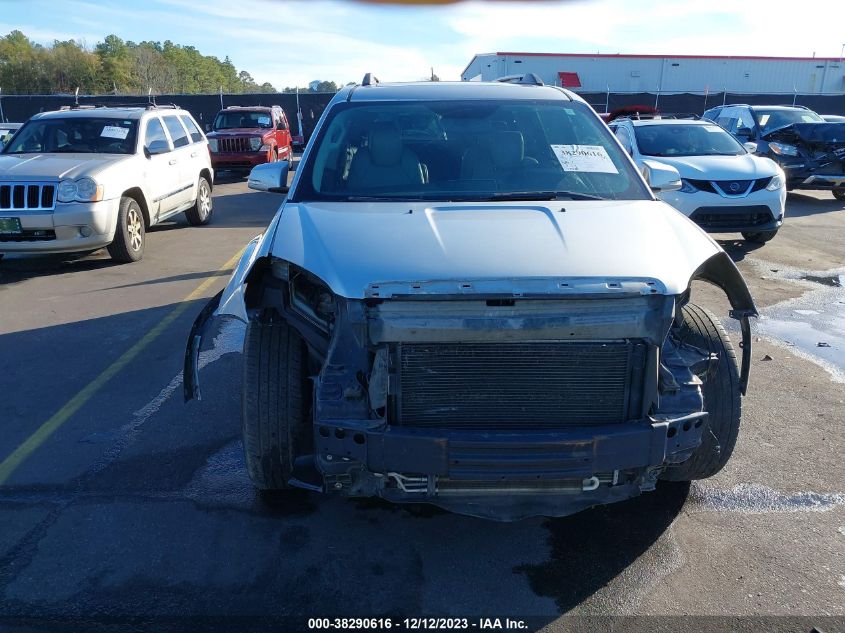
(775, 183)
(82, 190)
(782, 149)
(255, 144)
(687, 186)
(212, 144)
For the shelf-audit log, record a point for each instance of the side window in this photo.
(177, 132)
(744, 124)
(625, 139)
(155, 132)
(193, 130)
(283, 122)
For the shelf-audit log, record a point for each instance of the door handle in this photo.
(193, 154)
(172, 161)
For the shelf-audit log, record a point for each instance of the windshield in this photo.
(75, 135)
(774, 119)
(241, 119)
(466, 150)
(686, 140)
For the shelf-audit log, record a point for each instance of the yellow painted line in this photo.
(22, 452)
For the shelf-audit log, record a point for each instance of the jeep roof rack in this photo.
(92, 106)
(528, 79)
(370, 80)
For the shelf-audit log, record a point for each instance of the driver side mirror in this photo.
(208, 127)
(272, 177)
(661, 177)
(158, 146)
(750, 147)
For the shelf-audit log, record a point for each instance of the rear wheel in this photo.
(273, 402)
(722, 398)
(839, 193)
(200, 213)
(129, 235)
(761, 237)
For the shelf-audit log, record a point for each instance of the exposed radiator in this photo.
(525, 385)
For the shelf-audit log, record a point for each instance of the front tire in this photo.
(839, 193)
(129, 234)
(722, 397)
(200, 213)
(273, 402)
(760, 237)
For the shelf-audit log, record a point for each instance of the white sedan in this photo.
(726, 188)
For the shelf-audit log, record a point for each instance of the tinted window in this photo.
(177, 132)
(242, 119)
(155, 132)
(686, 140)
(75, 135)
(466, 150)
(194, 131)
(773, 119)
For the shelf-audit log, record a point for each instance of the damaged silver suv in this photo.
(471, 297)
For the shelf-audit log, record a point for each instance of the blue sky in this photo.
(290, 42)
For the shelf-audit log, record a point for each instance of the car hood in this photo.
(352, 246)
(238, 131)
(743, 167)
(55, 166)
(810, 133)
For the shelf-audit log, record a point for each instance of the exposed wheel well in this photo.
(207, 175)
(136, 194)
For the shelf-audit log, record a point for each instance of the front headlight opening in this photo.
(82, 190)
(255, 144)
(212, 144)
(312, 299)
(67, 191)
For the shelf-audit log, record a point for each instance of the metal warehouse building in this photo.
(658, 73)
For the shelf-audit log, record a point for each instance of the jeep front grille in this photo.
(233, 144)
(27, 196)
(525, 385)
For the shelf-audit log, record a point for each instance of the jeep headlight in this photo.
(266, 147)
(212, 144)
(255, 143)
(783, 149)
(82, 190)
(775, 183)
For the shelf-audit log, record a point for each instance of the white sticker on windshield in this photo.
(113, 131)
(263, 120)
(588, 158)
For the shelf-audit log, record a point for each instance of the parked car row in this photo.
(85, 177)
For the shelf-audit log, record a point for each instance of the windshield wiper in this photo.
(541, 195)
(381, 199)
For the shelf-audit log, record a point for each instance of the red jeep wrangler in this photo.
(244, 136)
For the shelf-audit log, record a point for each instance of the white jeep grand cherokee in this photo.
(80, 179)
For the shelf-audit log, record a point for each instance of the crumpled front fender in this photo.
(228, 302)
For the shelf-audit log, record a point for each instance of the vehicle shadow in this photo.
(800, 205)
(738, 248)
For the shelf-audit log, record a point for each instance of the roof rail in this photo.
(528, 79)
(370, 80)
(145, 105)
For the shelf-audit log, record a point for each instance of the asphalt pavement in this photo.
(117, 500)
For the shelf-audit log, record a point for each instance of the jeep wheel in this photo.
(129, 235)
(761, 237)
(273, 402)
(722, 399)
(839, 193)
(200, 213)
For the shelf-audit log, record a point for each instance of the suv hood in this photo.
(813, 134)
(351, 246)
(55, 166)
(239, 131)
(742, 167)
